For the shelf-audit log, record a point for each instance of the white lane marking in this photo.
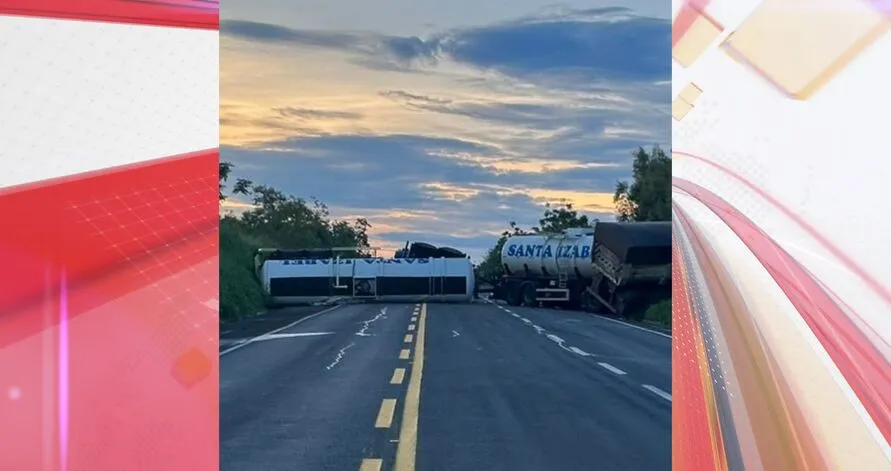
(541, 331)
(292, 324)
(611, 368)
(455, 333)
(658, 392)
(366, 324)
(292, 335)
(339, 357)
(661, 334)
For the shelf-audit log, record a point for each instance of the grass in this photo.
(659, 313)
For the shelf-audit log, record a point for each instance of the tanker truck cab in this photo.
(546, 268)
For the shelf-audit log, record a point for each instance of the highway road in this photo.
(445, 387)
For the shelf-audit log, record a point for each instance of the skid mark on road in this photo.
(339, 356)
(363, 332)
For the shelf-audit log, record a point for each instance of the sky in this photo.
(442, 122)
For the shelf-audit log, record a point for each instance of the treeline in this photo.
(275, 220)
(647, 197)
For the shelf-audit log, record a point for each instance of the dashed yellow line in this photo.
(403, 355)
(408, 434)
(385, 414)
(408, 338)
(411, 327)
(371, 464)
(398, 376)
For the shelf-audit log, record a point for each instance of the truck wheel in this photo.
(529, 295)
(512, 297)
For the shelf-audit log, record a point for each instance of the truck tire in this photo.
(512, 294)
(528, 294)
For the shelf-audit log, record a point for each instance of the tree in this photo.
(297, 223)
(648, 197)
(225, 171)
(559, 218)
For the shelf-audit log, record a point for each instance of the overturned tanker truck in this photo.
(293, 277)
(614, 267)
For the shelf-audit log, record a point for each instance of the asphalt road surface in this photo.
(445, 387)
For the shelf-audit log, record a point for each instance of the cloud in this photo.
(590, 46)
(446, 138)
(306, 113)
(265, 32)
(598, 45)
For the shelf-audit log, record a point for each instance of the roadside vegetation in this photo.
(646, 198)
(274, 220)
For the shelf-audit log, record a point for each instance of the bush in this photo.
(660, 313)
(241, 294)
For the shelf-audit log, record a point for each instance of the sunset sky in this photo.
(442, 121)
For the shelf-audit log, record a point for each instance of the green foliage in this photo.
(660, 313)
(276, 220)
(240, 292)
(225, 171)
(648, 197)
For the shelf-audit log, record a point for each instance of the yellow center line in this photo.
(408, 434)
(408, 338)
(371, 464)
(385, 414)
(403, 355)
(398, 376)
(411, 327)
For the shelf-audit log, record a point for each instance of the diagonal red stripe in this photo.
(863, 367)
(198, 14)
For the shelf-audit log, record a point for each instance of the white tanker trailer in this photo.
(307, 276)
(613, 267)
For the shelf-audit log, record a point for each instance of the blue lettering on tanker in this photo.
(347, 261)
(546, 251)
